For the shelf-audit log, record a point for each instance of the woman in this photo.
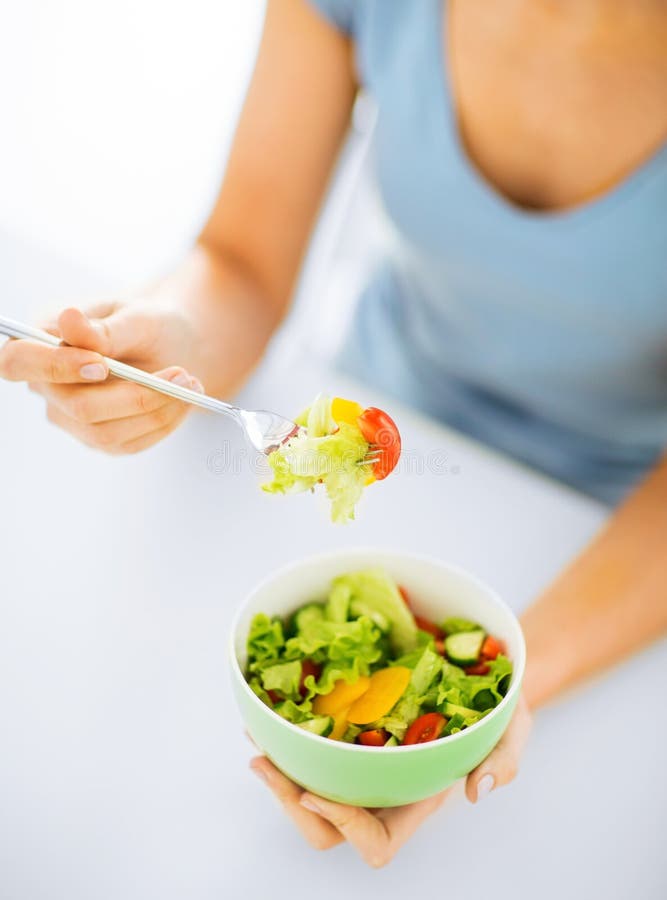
(523, 299)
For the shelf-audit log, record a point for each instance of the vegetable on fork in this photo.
(340, 445)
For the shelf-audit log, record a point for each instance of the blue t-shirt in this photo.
(543, 334)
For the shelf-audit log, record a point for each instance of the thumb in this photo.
(502, 764)
(111, 335)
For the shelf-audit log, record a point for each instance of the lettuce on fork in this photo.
(325, 452)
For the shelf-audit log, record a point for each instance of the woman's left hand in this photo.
(377, 835)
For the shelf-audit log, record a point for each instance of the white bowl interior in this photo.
(438, 590)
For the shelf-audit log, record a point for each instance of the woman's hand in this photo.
(104, 412)
(377, 835)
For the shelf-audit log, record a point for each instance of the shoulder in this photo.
(340, 13)
(389, 36)
(355, 16)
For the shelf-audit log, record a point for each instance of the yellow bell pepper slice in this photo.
(345, 410)
(348, 411)
(341, 697)
(386, 687)
(340, 724)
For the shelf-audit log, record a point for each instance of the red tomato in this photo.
(378, 737)
(440, 646)
(406, 597)
(382, 434)
(480, 668)
(491, 648)
(308, 667)
(426, 728)
(431, 627)
(274, 697)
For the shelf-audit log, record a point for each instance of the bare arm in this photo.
(214, 315)
(293, 123)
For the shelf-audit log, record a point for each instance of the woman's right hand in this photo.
(104, 412)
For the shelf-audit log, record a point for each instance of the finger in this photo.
(49, 321)
(123, 435)
(319, 833)
(367, 833)
(401, 822)
(29, 361)
(114, 399)
(119, 334)
(502, 764)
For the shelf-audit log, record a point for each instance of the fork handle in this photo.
(26, 332)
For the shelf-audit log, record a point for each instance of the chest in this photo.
(553, 111)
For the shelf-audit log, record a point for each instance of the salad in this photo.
(342, 446)
(363, 667)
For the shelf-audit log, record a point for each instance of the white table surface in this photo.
(123, 766)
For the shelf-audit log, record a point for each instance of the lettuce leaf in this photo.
(326, 452)
(337, 607)
(283, 677)
(295, 712)
(474, 692)
(265, 641)
(455, 624)
(426, 671)
(374, 591)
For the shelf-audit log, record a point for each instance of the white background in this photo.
(116, 118)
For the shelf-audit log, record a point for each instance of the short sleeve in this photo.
(339, 12)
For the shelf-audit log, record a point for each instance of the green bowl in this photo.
(371, 776)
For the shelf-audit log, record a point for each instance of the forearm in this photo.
(225, 312)
(610, 602)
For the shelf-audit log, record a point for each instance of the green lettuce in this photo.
(327, 453)
(374, 592)
(346, 650)
(455, 624)
(337, 607)
(265, 642)
(283, 677)
(474, 692)
(363, 626)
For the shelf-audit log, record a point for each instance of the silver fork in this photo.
(266, 431)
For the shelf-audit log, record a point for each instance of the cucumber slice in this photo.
(463, 648)
(321, 725)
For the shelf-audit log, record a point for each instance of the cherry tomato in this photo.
(491, 648)
(480, 668)
(378, 737)
(308, 667)
(440, 646)
(382, 434)
(274, 697)
(406, 597)
(431, 627)
(426, 728)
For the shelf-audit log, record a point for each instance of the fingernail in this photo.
(260, 773)
(310, 804)
(93, 372)
(485, 786)
(182, 380)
